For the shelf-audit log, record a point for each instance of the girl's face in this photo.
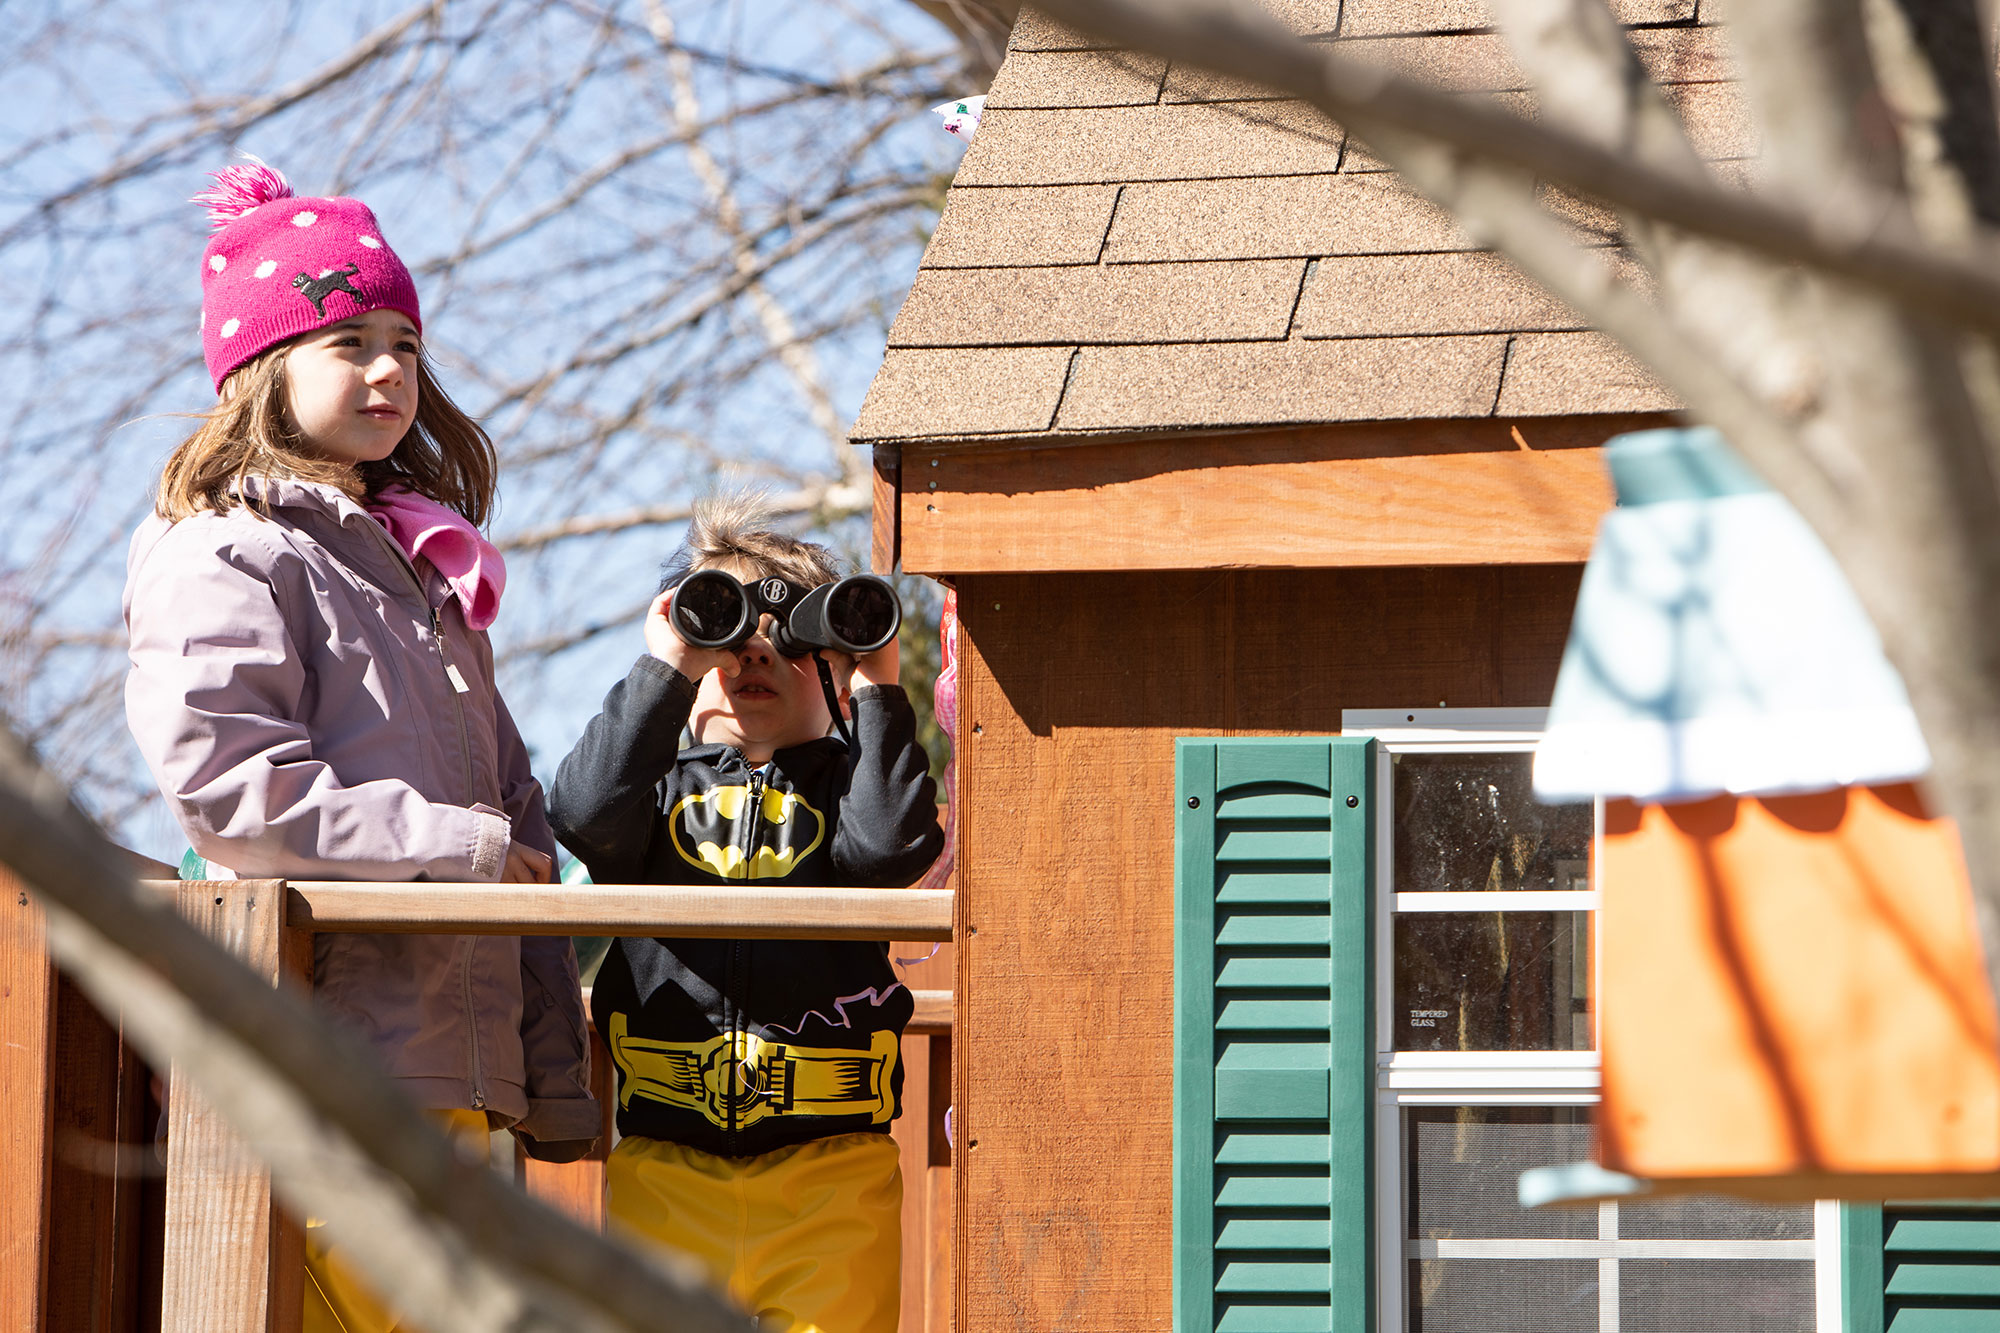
(351, 388)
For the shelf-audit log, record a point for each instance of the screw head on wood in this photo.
(1353, 801)
(1194, 802)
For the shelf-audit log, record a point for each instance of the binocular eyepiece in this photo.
(856, 615)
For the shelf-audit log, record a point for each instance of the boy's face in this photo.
(773, 701)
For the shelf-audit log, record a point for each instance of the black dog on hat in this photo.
(326, 284)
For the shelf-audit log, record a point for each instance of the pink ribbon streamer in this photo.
(944, 699)
(876, 999)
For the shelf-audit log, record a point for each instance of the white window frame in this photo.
(1499, 1078)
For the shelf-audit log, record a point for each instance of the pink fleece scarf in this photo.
(443, 536)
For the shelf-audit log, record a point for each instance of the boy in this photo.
(757, 1078)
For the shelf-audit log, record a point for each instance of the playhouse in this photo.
(1267, 497)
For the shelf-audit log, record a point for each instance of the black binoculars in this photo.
(857, 614)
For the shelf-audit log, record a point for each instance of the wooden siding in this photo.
(1425, 493)
(1073, 691)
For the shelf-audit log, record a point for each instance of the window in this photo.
(1486, 1066)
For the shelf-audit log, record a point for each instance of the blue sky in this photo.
(462, 134)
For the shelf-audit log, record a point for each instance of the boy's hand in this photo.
(665, 643)
(881, 667)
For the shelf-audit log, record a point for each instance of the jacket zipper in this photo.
(459, 689)
(453, 677)
(472, 1026)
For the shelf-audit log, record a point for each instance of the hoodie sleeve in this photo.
(888, 832)
(604, 802)
(214, 698)
(564, 1118)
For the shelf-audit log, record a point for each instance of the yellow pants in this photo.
(808, 1238)
(336, 1300)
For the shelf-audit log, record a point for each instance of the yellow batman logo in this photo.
(711, 828)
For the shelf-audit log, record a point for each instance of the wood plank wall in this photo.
(926, 1157)
(27, 1024)
(1381, 494)
(1073, 689)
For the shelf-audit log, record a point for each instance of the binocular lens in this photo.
(857, 615)
(708, 610)
(863, 614)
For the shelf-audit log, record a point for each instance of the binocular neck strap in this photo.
(833, 701)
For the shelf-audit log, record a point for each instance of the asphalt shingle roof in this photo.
(1131, 247)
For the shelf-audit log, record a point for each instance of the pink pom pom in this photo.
(240, 189)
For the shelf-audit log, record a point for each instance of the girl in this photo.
(311, 682)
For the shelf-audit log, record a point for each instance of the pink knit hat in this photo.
(279, 266)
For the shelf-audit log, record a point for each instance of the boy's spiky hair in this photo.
(731, 528)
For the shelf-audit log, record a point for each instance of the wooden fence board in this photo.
(99, 1156)
(27, 1007)
(231, 1264)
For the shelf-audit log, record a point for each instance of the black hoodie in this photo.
(737, 1047)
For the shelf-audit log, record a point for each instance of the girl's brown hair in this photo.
(445, 455)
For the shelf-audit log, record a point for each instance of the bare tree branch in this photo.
(798, 357)
(237, 120)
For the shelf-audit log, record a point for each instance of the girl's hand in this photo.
(527, 865)
(665, 643)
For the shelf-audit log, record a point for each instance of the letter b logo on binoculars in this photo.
(857, 614)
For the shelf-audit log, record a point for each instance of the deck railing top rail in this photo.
(746, 911)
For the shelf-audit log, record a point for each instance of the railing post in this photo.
(27, 1008)
(234, 1263)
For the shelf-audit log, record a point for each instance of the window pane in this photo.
(1709, 1217)
(1505, 1296)
(1470, 822)
(1463, 1165)
(1492, 981)
(1715, 1295)
(1476, 1262)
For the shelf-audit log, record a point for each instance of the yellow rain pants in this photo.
(336, 1300)
(808, 1238)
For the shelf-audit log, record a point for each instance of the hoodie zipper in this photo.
(738, 987)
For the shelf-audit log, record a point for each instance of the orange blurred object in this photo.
(1792, 999)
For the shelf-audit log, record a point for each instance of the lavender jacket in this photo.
(314, 707)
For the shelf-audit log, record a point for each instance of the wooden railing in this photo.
(232, 1262)
(619, 909)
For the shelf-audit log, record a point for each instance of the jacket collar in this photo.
(291, 493)
(317, 500)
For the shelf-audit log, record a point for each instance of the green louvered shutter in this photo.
(1273, 1037)
(1930, 1267)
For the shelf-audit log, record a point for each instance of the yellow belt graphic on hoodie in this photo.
(756, 1077)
